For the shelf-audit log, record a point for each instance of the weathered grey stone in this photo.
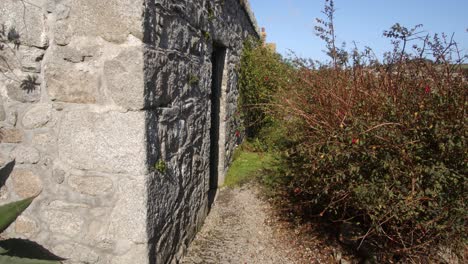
(91, 185)
(97, 18)
(69, 78)
(183, 117)
(2, 110)
(27, 19)
(176, 33)
(11, 135)
(51, 5)
(137, 254)
(30, 59)
(26, 90)
(4, 194)
(26, 226)
(5, 162)
(11, 117)
(76, 253)
(44, 140)
(58, 173)
(26, 183)
(108, 142)
(96, 236)
(9, 62)
(62, 12)
(170, 75)
(124, 84)
(57, 213)
(122, 247)
(64, 223)
(46, 162)
(37, 116)
(128, 218)
(124, 77)
(25, 154)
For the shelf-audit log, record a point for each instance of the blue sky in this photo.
(290, 23)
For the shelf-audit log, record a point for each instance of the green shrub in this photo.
(382, 147)
(262, 72)
(378, 145)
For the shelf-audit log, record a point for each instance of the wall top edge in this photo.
(250, 14)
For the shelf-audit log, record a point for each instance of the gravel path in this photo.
(237, 231)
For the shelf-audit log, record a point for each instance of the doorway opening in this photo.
(217, 62)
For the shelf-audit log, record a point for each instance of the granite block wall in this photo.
(105, 112)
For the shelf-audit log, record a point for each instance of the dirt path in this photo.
(237, 231)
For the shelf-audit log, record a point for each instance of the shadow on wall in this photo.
(185, 46)
(163, 71)
(218, 57)
(14, 250)
(12, 37)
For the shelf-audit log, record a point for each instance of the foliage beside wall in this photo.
(376, 145)
(262, 73)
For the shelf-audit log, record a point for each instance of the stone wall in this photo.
(179, 47)
(99, 93)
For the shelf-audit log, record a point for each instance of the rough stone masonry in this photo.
(121, 114)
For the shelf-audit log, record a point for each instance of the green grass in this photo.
(246, 166)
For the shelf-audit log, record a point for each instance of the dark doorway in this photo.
(217, 61)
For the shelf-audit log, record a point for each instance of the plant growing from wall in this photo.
(206, 35)
(211, 14)
(193, 79)
(160, 166)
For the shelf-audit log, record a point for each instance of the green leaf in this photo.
(9, 212)
(3, 251)
(16, 260)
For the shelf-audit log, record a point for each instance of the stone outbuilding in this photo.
(121, 114)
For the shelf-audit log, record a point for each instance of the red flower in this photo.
(427, 89)
(237, 133)
(266, 78)
(355, 141)
(297, 190)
